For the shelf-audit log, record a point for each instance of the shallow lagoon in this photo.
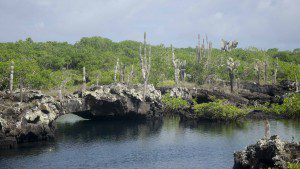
(166, 143)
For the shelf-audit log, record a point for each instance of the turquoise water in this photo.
(144, 144)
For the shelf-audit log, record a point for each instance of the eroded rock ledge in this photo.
(115, 100)
(267, 153)
(34, 118)
(31, 120)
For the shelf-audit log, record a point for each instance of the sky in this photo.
(260, 23)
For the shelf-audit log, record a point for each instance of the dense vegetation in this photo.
(47, 65)
(294, 166)
(218, 110)
(289, 108)
(173, 103)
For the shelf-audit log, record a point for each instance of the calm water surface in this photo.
(151, 144)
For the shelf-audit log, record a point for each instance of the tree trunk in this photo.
(11, 79)
(116, 71)
(21, 90)
(266, 73)
(231, 76)
(130, 75)
(182, 74)
(145, 90)
(199, 49)
(258, 76)
(97, 83)
(296, 84)
(175, 65)
(60, 94)
(145, 63)
(83, 80)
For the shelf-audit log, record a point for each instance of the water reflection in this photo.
(112, 130)
(286, 129)
(29, 149)
(215, 128)
(170, 143)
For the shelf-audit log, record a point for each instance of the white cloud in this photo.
(261, 23)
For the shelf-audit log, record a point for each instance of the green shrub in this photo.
(218, 110)
(42, 65)
(290, 106)
(294, 166)
(166, 83)
(173, 103)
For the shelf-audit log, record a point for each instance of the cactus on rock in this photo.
(145, 63)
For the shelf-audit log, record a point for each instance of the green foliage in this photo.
(173, 103)
(41, 64)
(219, 110)
(290, 107)
(166, 83)
(288, 56)
(293, 166)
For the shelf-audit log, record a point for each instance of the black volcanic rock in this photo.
(267, 153)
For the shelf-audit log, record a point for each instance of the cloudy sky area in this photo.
(260, 23)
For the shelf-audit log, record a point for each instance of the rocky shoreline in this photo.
(268, 153)
(250, 95)
(34, 118)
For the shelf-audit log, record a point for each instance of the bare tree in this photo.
(232, 45)
(265, 71)
(11, 79)
(65, 79)
(116, 71)
(130, 75)
(224, 44)
(231, 66)
(175, 65)
(83, 79)
(145, 63)
(296, 81)
(21, 89)
(97, 77)
(267, 128)
(122, 73)
(60, 97)
(199, 50)
(296, 84)
(257, 68)
(208, 52)
(228, 45)
(276, 66)
(182, 70)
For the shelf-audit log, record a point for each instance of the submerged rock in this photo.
(266, 153)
